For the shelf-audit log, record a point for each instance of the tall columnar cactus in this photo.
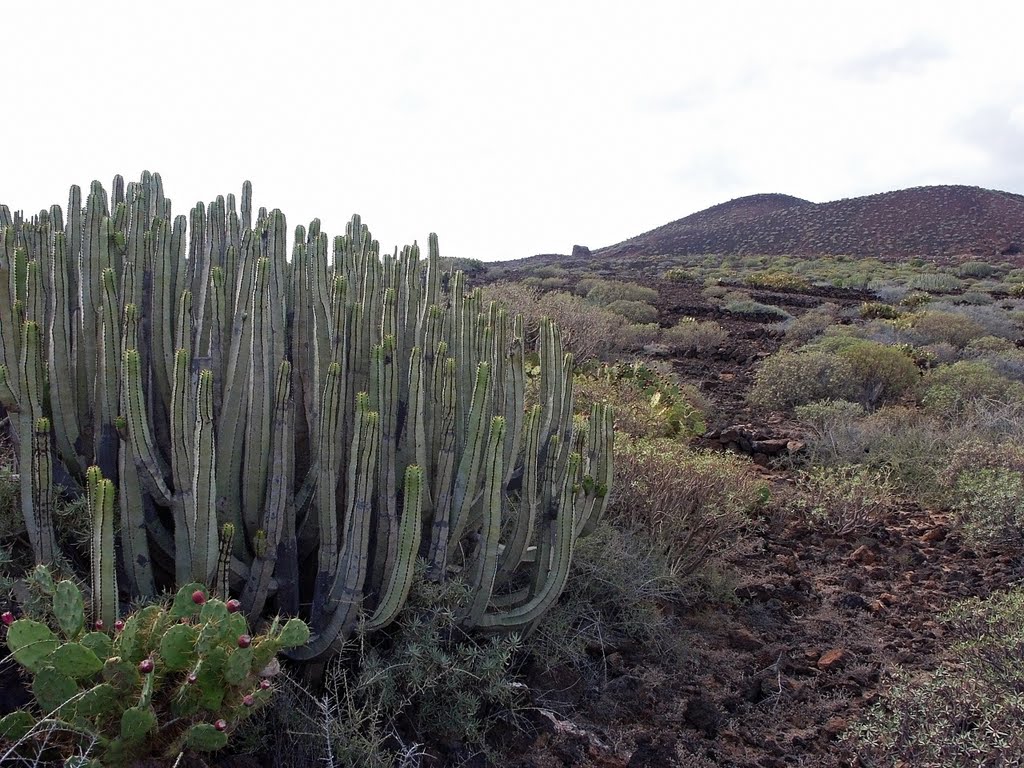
(343, 412)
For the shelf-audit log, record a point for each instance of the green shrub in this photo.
(880, 373)
(933, 326)
(949, 389)
(787, 379)
(968, 712)
(915, 300)
(934, 282)
(776, 280)
(751, 307)
(647, 403)
(988, 507)
(985, 484)
(546, 283)
(976, 298)
(977, 269)
(871, 310)
(607, 291)
(679, 275)
(809, 325)
(635, 337)
(634, 311)
(689, 335)
(833, 425)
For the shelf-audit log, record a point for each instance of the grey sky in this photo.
(514, 128)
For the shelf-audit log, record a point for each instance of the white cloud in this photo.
(512, 129)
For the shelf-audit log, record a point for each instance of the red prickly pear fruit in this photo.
(146, 666)
(7, 618)
(244, 641)
(221, 725)
(118, 625)
(198, 597)
(191, 678)
(99, 625)
(233, 606)
(264, 685)
(248, 700)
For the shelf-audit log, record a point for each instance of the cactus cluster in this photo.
(341, 411)
(166, 678)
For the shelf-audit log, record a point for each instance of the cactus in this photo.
(341, 414)
(159, 684)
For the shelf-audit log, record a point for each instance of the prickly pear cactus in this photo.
(165, 679)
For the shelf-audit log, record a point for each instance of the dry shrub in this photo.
(693, 503)
(636, 337)
(809, 325)
(634, 311)
(588, 331)
(689, 335)
(843, 499)
(608, 291)
(965, 714)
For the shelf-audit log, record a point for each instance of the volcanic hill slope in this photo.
(933, 222)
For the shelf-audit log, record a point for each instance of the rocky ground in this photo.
(776, 676)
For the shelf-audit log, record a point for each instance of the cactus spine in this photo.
(343, 413)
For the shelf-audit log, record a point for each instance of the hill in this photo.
(932, 222)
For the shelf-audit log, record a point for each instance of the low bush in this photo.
(689, 335)
(881, 374)
(647, 403)
(949, 389)
(809, 325)
(985, 483)
(788, 379)
(968, 712)
(694, 504)
(977, 269)
(635, 337)
(634, 311)
(606, 291)
(934, 282)
(545, 283)
(756, 308)
(679, 275)
(871, 310)
(843, 499)
(776, 280)
(934, 326)
(426, 683)
(587, 331)
(621, 581)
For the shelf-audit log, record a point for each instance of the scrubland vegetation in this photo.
(889, 393)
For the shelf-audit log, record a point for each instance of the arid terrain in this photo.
(774, 677)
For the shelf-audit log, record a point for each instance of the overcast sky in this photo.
(510, 128)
